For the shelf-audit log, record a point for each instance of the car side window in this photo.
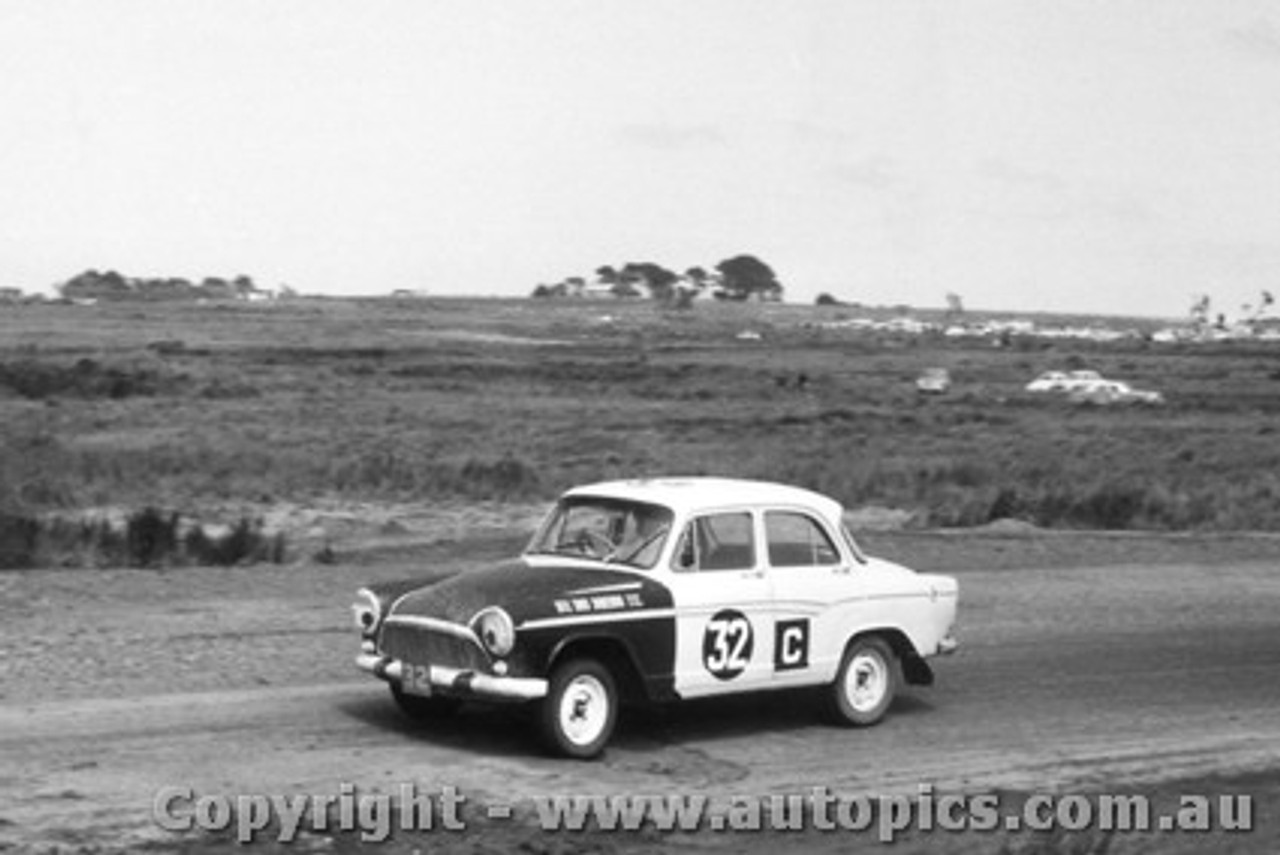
(717, 542)
(796, 540)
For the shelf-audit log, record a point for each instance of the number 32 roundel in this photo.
(727, 644)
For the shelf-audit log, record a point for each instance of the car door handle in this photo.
(753, 574)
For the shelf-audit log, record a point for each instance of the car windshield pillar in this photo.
(858, 554)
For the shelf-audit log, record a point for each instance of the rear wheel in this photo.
(580, 710)
(421, 708)
(865, 684)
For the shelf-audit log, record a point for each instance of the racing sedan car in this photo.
(660, 590)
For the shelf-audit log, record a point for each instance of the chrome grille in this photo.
(425, 646)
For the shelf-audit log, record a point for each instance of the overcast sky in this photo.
(1113, 156)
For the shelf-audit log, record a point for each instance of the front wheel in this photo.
(581, 707)
(865, 684)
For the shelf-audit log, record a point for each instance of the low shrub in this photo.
(19, 539)
(147, 538)
(151, 537)
(245, 543)
(87, 378)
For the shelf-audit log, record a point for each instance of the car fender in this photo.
(645, 640)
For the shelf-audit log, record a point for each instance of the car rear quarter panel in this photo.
(886, 597)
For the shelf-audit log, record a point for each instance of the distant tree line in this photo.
(92, 285)
(1250, 313)
(741, 278)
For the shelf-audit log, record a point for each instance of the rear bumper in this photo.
(458, 682)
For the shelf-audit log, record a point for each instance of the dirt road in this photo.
(118, 684)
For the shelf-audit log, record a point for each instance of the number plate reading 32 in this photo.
(416, 679)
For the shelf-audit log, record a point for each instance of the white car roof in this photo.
(686, 495)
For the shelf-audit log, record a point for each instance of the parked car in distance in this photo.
(1114, 392)
(1063, 381)
(934, 381)
(662, 590)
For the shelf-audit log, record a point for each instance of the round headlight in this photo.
(496, 631)
(367, 611)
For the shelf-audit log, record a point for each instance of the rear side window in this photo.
(796, 540)
(717, 542)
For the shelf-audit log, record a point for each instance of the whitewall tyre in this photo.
(865, 684)
(578, 715)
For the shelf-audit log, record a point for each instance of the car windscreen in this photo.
(617, 531)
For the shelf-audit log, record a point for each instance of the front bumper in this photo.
(458, 682)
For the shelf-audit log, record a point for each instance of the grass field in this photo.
(185, 406)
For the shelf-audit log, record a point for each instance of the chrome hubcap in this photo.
(866, 682)
(584, 709)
